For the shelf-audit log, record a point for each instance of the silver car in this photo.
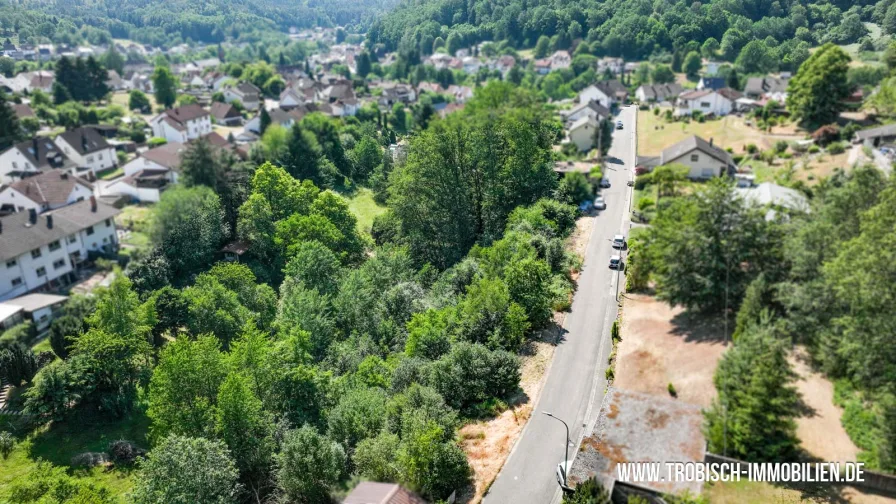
(615, 262)
(600, 204)
(619, 242)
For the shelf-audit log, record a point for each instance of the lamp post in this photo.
(565, 448)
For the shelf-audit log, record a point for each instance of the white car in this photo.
(619, 242)
(600, 204)
(615, 262)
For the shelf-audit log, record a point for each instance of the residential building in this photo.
(706, 101)
(581, 133)
(22, 111)
(285, 118)
(291, 97)
(87, 148)
(44, 251)
(774, 197)
(704, 159)
(226, 114)
(397, 93)
(712, 67)
(30, 158)
(371, 492)
(658, 92)
(162, 158)
(560, 60)
(460, 93)
(144, 186)
(182, 124)
(40, 309)
(10, 316)
(767, 87)
(246, 92)
(713, 83)
(47, 191)
(614, 65)
(607, 93)
(876, 137)
(591, 109)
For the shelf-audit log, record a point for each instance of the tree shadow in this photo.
(698, 327)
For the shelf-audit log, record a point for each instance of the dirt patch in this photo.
(754, 492)
(661, 345)
(819, 429)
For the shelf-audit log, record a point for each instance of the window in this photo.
(58, 263)
(707, 173)
(89, 159)
(72, 238)
(41, 271)
(35, 253)
(17, 281)
(76, 255)
(100, 156)
(15, 166)
(10, 263)
(54, 246)
(106, 239)
(108, 222)
(695, 157)
(89, 230)
(705, 104)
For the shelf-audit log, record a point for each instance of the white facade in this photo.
(22, 203)
(192, 130)
(100, 160)
(593, 93)
(44, 264)
(127, 188)
(708, 103)
(14, 161)
(582, 133)
(140, 163)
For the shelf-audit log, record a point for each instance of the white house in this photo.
(278, 116)
(39, 308)
(145, 186)
(657, 92)
(162, 158)
(560, 60)
(88, 149)
(246, 93)
(48, 191)
(45, 251)
(182, 124)
(31, 157)
(290, 98)
(705, 101)
(607, 93)
(581, 133)
(704, 159)
(591, 109)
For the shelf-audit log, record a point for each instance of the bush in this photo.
(780, 146)
(836, 148)
(671, 389)
(813, 149)
(645, 203)
(614, 331)
(656, 111)
(124, 453)
(752, 149)
(7, 443)
(156, 141)
(738, 158)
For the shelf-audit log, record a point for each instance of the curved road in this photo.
(576, 377)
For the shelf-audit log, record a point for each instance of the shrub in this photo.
(671, 389)
(645, 203)
(156, 141)
(836, 148)
(737, 158)
(813, 149)
(752, 149)
(780, 146)
(7, 443)
(124, 453)
(609, 374)
(656, 111)
(614, 331)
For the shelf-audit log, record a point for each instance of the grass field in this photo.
(364, 208)
(58, 443)
(136, 217)
(655, 134)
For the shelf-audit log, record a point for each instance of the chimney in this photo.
(49, 222)
(32, 215)
(64, 175)
(34, 147)
(93, 203)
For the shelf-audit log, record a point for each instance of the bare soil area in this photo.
(819, 429)
(662, 345)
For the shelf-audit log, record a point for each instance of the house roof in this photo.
(661, 91)
(880, 131)
(85, 140)
(42, 152)
(612, 87)
(246, 89)
(8, 310)
(156, 179)
(18, 235)
(729, 93)
(180, 115)
(696, 94)
(593, 105)
(767, 84)
(50, 188)
(167, 155)
(22, 110)
(371, 492)
(769, 193)
(582, 122)
(34, 302)
(690, 143)
(223, 111)
(713, 82)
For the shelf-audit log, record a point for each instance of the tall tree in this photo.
(187, 226)
(816, 93)
(201, 166)
(165, 85)
(308, 465)
(10, 130)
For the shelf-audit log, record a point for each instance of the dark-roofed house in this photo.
(48, 191)
(226, 114)
(704, 159)
(87, 148)
(714, 83)
(371, 492)
(773, 88)
(591, 109)
(281, 117)
(22, 111)
(31, 157)
(607, 93)
(181, 124)
(164, 157)
(658, 92)
(144, 186)
(247, 93)
(39, 252)
(876, 137)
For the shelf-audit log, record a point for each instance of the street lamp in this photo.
(565, 448)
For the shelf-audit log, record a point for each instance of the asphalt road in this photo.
(576, 377)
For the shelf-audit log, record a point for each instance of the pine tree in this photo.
(264, 120)
(10, 130)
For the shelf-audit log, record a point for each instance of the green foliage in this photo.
(17, 364)
(360, 414)
(308, 465)
(574, 188)
(247, 430)
(7, 444)
(816, 92)
(165, 86)
(589, 491)
(49, 484)
(187, 226)
(185, 469)
(753, 415)
(471, 373)
(10, 131)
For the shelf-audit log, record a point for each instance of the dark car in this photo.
(619, 125)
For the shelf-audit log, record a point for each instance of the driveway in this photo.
(576, 378)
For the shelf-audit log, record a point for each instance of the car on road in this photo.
(619, 242)
(562, 471)
(619, 125)
(605, 182)
(615, 262)
(600, 204)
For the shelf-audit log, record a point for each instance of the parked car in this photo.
(600, 204)
(585, 206)
(619, 242)
(619, 125)
(605, 182)
(615, 262)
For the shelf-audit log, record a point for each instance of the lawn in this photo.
(364, 208)
(655, 134)
(136, 219)
(58, 443)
